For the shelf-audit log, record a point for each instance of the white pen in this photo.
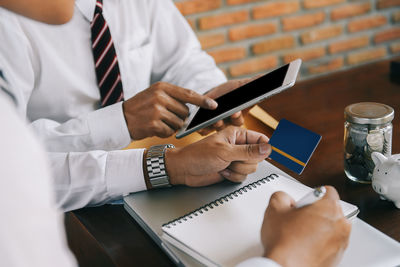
(311, 197)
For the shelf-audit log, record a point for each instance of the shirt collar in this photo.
(86, 7)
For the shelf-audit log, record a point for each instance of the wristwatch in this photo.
(155, 165)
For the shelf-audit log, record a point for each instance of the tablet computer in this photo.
(242, 97)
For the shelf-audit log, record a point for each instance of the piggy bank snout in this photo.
(379, 187)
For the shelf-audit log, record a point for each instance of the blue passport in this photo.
(293, 145)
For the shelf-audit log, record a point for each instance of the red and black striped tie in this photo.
(105, 58)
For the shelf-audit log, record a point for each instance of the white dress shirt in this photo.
(52, 72)
(31, 227)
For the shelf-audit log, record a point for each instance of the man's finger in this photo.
(249, 152)
(188, 96)
(178, 108)
(331, 193)
(237, 119)
(281, 201)
(233, 176)
(164, 130)
(242, 168)
(173, 121)
(218, 124)
(236, 115)
(244, 136)
(205, 131)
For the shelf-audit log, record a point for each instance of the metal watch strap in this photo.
(155, 165)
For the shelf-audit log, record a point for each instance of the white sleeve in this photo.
(258, 262)
(178, 57)
(31, 227)
(96, 177)
(87, 132)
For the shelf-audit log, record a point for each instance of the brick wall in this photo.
(247, 37)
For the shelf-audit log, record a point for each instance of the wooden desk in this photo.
(108, 236)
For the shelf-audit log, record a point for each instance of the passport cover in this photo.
(293, 145)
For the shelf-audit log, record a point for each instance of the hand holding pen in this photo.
(310, 232)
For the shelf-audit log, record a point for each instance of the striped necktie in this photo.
(4, 88)
(105, 57)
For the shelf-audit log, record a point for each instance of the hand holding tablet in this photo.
(243, 97)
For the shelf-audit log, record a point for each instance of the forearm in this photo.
(97, 177)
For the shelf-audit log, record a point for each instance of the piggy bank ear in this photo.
(378, 158)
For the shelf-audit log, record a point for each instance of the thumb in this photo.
(249, 152)
(281, 201)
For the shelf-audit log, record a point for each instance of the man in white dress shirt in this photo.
(54, 76)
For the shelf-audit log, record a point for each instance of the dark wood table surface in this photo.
(108, 236)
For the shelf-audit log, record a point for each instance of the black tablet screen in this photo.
(241, 95)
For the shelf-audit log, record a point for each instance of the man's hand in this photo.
(231, 153)
(314, 235)
(235, 119)
(160, 110)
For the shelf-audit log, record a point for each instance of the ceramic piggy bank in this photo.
(386, 177)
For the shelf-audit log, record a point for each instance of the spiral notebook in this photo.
(226, 231)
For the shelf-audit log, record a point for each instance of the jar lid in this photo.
(368, 113)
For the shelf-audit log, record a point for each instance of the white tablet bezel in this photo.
(288, 82)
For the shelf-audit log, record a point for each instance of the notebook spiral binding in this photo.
(220, 201)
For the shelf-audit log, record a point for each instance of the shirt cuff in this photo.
(108, 127)
(258, 262)
(124, 172)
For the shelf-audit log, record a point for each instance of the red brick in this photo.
(366, 55)
(270, 45)
(320, 3)
(387, 35)
(224, 19)
(305, 54)
(366, 23)
(350, 10)
(211, 40)
(249, 31)
(395, 48)
(253, 66)
(197, 6)
(302, 21)
(396, 16)
(228, 54)
(332, 65)
(348, 44)
(239, 2)
(275, 9)
(321, 34)
(387, 3)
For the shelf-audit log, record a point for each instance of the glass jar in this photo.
(368, 128)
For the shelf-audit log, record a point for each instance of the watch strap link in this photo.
(155, 164)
